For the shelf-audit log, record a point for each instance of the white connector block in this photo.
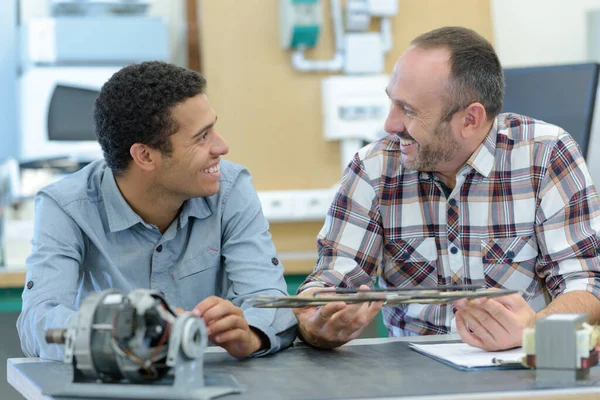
(354, 107)
(357, 16)
(382, 8)
(296, 205)
(312, 204)
(364, 53)
(276, 204)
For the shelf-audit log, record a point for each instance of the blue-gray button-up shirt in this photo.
(87, 238)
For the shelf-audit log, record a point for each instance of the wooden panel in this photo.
(271, 114)
(193, 35)
(12, 279)
(300, 236)
(419, 16)
(298, 267)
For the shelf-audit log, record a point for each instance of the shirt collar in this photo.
(121, 216)
(482, 160)
(193, 208)
(119, 213)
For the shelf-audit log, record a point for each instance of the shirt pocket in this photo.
(196, 278)
(414, 263)
(510, 262)
(204, 261)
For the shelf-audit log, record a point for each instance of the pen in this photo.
(507, 363)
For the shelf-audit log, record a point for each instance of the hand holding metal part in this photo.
(389, 296)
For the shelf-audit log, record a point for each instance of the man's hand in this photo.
(336, 323)
(494, 324)
(227, 327)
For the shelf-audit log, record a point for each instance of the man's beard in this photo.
(441, 149)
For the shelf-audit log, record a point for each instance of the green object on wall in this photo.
(305, 35)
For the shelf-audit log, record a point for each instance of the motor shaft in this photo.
(58, 336)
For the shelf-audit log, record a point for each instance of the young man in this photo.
(459, 194)
(162, 211)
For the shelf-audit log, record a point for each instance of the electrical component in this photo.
(562, 348)
(364, 53)
(382, 8)
(354, 111)
(299, 23)
(296, 205)
(136, 347)
(98, 7)
(357, 16)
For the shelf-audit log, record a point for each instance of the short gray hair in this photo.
(475, 71)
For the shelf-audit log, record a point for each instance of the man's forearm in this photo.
(577, 302)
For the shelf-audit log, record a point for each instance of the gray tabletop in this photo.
(365, 368)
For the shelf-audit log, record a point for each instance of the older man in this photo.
(459, 194)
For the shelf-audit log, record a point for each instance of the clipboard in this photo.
(468, 358)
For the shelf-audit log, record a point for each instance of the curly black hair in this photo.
(135, 106)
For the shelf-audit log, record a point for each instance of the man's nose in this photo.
(220, 146)
(393, 122)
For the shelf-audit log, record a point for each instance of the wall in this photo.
(540, 32)
(271, 114)
(546, 32)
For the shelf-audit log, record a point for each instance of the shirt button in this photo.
(159, 248)
(510, 254)
(406, 256)
(453, 250)
(452, 202)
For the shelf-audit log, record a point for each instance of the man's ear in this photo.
(474, 118)
(144, 157)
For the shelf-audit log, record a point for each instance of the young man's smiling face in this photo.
(192, 168)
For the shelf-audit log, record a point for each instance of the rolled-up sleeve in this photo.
(568, 223)
(351, 241)
(52, 275)
(252, 265)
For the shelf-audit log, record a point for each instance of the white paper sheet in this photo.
(463, 356)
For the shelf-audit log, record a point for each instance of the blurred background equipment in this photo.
(95, 32)
(135, 346)
(354, 105)
(57, 104)
(66, 58)
(563, 95)
(9, 189)
(60, 8)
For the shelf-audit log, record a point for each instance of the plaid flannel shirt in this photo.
(524, 214)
